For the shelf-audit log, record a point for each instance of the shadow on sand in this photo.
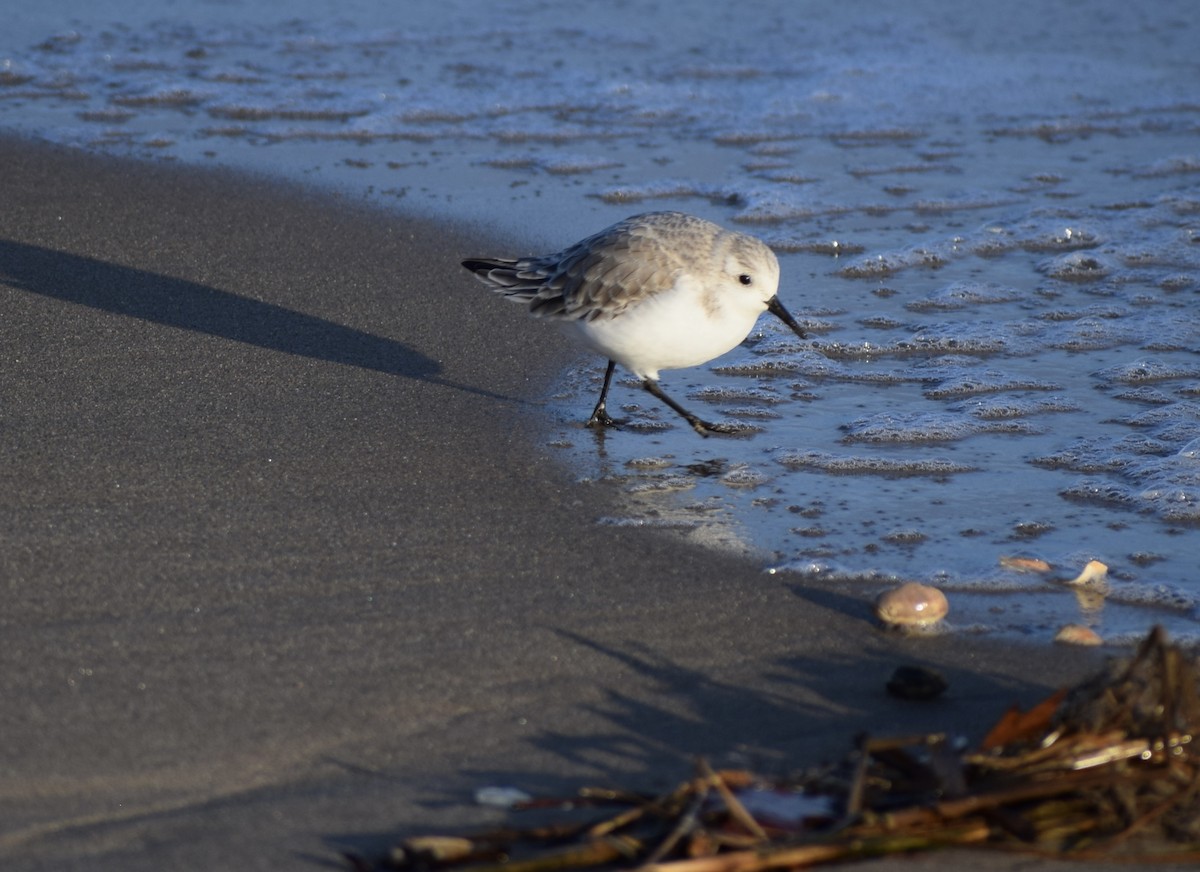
(179, 303)
(799, 712)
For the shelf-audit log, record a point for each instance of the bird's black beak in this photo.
(776, 308)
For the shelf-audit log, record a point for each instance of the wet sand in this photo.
(288, 569)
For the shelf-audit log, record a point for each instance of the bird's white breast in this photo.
(681, 327)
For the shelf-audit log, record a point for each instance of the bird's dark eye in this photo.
(745, 279)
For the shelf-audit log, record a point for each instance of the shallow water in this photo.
(991, 227)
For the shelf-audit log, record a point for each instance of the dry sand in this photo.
(287, 569)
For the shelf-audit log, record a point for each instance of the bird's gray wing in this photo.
(598, 277)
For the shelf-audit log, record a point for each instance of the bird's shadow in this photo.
(188, 305)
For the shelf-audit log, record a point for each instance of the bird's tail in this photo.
(515, 279)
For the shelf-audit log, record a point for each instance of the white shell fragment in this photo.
(1094, 573)
(501, 797)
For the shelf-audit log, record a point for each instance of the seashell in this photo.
(1093, 573)
(1077, 634)
(1025, 564)
(911, 605)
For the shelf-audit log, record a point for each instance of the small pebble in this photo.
(916, 682)
(1077, 634)
(911, 605)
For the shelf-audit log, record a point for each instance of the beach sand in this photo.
(288, 567)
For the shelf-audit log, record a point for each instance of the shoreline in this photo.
(290, 571)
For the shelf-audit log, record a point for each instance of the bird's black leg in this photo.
(600, 416)
(702, 427)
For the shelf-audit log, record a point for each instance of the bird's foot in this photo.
(704, 428)
(601, 418)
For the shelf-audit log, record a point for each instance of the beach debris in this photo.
(911, 605)
(1094, 572)
(1077, 634)
(501, 797)
(1109, 769)
(1025, 564)
(916, 683)
(433, 850)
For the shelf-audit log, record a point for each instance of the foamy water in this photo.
(991, 226)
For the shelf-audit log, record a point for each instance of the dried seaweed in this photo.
(1112, 766)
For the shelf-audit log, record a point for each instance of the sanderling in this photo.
(662, 290)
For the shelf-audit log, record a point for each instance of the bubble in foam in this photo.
(1179, 508)
(857, 464)
(649, 462)
(1178, 418)
(770, 342)
(999, 408)
(744, 477)
(1052, 236)
(563, 165)
(1155, 470)
(1099, 492)
(1102, 310)
(1172, 166)
(177, 96)
(963, 295)
(976, 338)
(723, 394)
(1159, 595)
(917, 427)
(987, 382)
(669, 523)
(813, 365)
(1171, 485)
(755, 412)
(1092, 334)
(1178, 282)
(758, 366)
(1078, 267)
(884, 264)
(772, 205)
(1105, 454)
(663, 189)
(964, 201)
(663, 484)
(1147, 370)
(789, 242)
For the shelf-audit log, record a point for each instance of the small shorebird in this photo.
(663, 290)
